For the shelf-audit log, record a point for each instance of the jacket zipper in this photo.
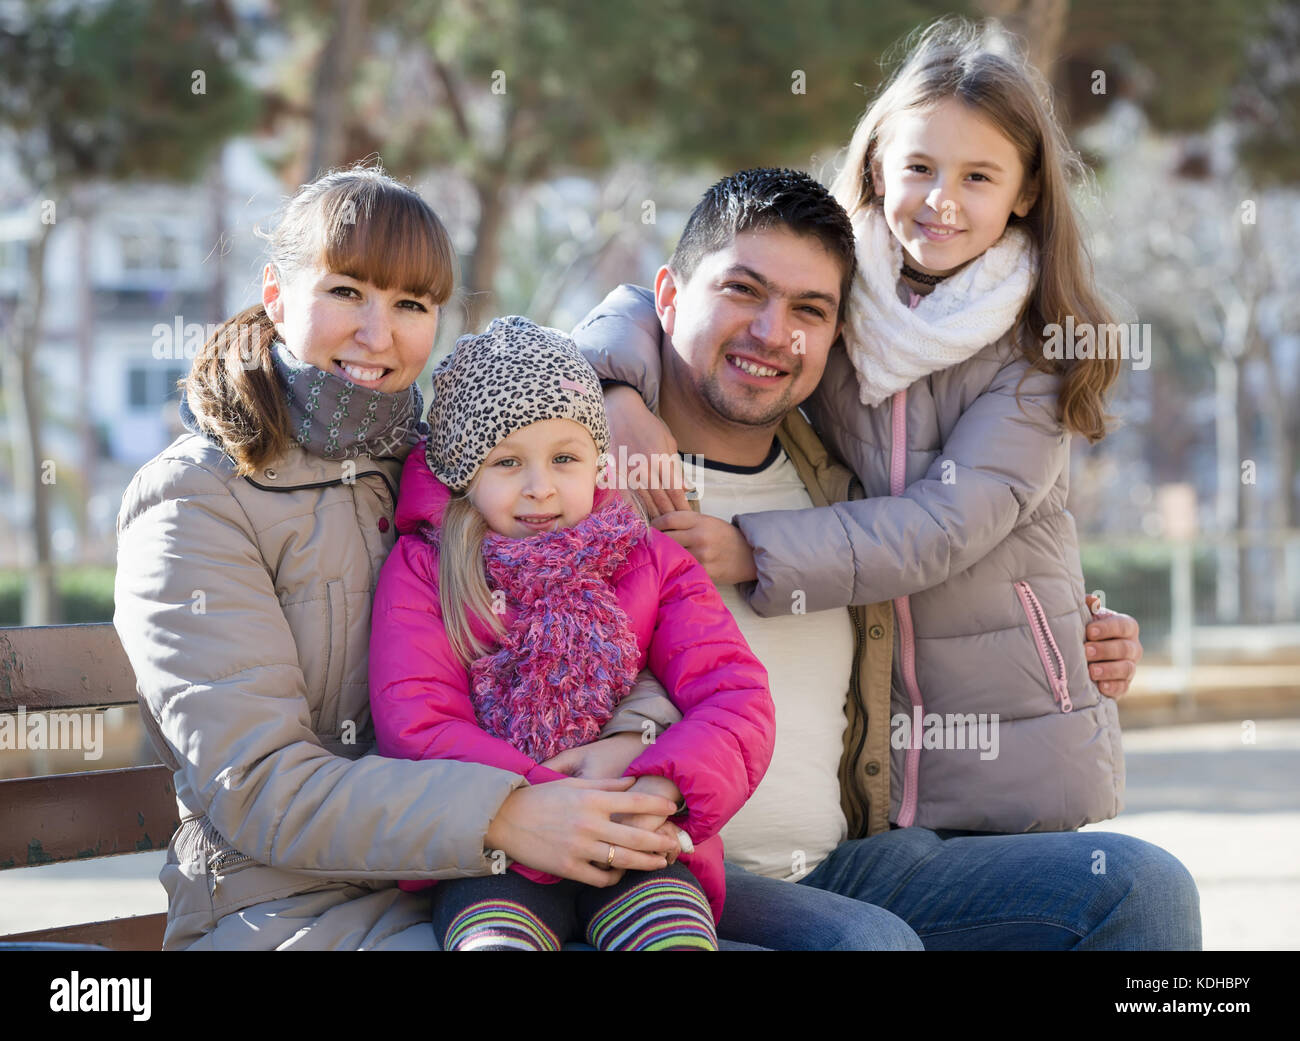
(227, 858)
(336, 619)
(903, 609)
(1048, 652)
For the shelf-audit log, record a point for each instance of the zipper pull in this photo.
(1062, 692)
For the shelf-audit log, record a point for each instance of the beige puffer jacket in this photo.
(244, 607)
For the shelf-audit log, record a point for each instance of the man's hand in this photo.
(718, 546)
(651, 452)
(1113, 649)
(608, 757)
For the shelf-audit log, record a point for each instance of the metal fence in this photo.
(1223, 609)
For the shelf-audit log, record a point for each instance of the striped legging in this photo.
(646, 911)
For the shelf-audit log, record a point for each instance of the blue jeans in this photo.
(1042, 891)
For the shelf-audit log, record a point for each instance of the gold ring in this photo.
(609, 860)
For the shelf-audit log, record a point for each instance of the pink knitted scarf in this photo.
(570, 655)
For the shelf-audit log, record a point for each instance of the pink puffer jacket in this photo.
(716, 755)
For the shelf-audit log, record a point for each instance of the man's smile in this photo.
(753, 367)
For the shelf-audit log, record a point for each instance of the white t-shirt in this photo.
(794, 818)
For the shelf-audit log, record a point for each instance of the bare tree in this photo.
(1193, 242)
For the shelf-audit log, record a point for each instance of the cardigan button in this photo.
(876, 632)
(271, 475)
(383, 524)
(873, 768)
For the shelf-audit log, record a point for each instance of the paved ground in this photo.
(1228, 808)
(1230, 811)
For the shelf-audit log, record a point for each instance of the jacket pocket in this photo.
(335, 653)
(1048, 651)
(206, 852)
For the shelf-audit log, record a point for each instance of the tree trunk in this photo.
(335, 71)
(32, 479)
(217, 259)
(1040, 22)
(480, 275)
(85, 365)
(1277, 511)
(1228, 583)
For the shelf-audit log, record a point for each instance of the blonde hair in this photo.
(359, 222)
(462, 578)
(981, 66)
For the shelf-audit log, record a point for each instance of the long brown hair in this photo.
(981, 66)
(359, 222)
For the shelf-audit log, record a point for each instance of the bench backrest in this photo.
(44, 820)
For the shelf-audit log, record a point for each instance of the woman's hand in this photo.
(608, 757)
(566, 828)
(1112, 648)
(657, 477)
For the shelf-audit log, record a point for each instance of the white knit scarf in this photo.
(892, 346)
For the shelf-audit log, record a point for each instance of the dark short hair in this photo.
(758, 200)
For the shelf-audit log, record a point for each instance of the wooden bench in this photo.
(79, 816)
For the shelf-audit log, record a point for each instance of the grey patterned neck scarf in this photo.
(334, 418)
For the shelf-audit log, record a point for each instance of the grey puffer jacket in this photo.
(981, 559)
(243, 604)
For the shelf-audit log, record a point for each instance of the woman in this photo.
(247, 555)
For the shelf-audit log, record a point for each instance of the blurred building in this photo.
(140, 280)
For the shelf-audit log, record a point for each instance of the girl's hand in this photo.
(566, 828)
(720, 547)
(679, 837)
(648, 441)
(608, 757)
(1112, 648)
(656, 785)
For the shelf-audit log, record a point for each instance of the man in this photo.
(742, 320)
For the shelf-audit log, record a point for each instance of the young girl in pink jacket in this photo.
(518, 606)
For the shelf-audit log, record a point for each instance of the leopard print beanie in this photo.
(502, 380)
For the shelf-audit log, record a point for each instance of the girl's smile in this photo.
(541, 522)
(937, 232)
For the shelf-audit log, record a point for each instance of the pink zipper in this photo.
(903, 607)
(1048, 652)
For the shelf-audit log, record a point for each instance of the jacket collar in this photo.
(298, 468)
(826, 480)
